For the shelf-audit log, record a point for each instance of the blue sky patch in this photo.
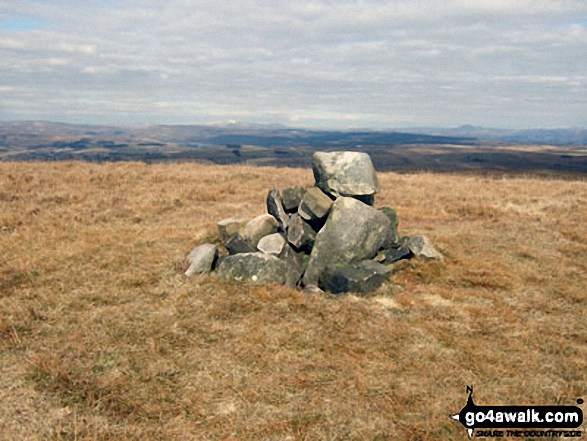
(20, 23)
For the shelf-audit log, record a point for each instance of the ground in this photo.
(102, 337)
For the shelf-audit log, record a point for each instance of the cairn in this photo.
(328, 237)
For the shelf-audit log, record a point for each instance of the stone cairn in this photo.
(325, 238)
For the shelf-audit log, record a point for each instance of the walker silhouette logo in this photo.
(475, 417)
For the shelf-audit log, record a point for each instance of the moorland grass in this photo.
(103, 338)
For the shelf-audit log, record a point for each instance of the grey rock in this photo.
(296, 264)
(379, 258)
(292, 196)
(353, 232)
(253, 267)
(315, 205)
(221, 257)
(392, 215)
(392, 239)
(421, 247)
(272, 244)
(275, 209)
(360, 277)
(392, 255)
(230, 226)
(345, 174)
(202, 259)
(258, 228)
(312, 289)
(237, 244)
(300, 234)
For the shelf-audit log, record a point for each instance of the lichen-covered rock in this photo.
(346, 174)
(392, 239)
(353, 232)
(360, 277)
(202, 259)
(275, 209)
(296, 264)
(315, 205)
(421, 247)
(312, 289)
(259, 227)
(237, 244)
(230, 226)
(300, 234)
(253, 267)
(392, 255)
(292, 196)
(272, 244)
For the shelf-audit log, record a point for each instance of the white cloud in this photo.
(324, 62)
(11, 43)
(79, 48)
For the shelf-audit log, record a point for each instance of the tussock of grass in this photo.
(102, 337)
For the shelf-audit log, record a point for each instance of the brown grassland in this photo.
(103, 338)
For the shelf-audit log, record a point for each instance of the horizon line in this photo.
(245, 124)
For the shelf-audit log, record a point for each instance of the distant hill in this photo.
(463, 149)
(558, 137)
(266, 136)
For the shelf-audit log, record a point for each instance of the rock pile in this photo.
(329, 236)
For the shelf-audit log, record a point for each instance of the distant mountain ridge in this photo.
(462, 149)
(277, 134)
(560, 137)
(222, 134)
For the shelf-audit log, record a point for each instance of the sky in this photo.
(321, 64)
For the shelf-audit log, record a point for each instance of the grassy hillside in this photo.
(101, 337)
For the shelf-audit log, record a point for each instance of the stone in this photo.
(312, 289)
(392, 215)
(275, 209)
(315, 205)
(359, 277)
(300, 234)
(237, 244)
(230, 226)
(253, 267)
(421, 247)
(392, 255)
(392, 239)
(292, 196)
(296, 264)
(346, 174)
(271, 244)
(202, 259)
(259, 227)
(354, 231)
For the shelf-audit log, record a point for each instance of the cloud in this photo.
(324, 63)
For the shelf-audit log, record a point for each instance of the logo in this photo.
(512, 418)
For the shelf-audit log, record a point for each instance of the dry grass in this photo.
(101, 337)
